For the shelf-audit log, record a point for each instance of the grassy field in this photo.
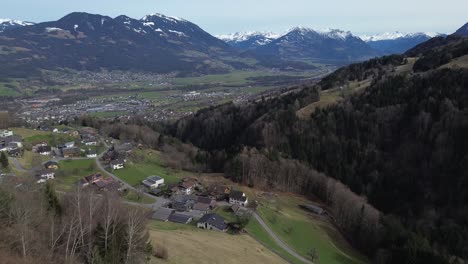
(52, 138)
(187, 244)
(31, 159)
(255, 230)
(147, 164)
(73, 171)
(132, 196)
(303, 233)
(26, 132)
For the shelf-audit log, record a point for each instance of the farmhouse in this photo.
(53, 165)
(91, 179)
(238, 197)
(313, 208)
(211, 203)
(117, 164)
(212, 222)
(153, 182)
(44, 150)
(89, 141)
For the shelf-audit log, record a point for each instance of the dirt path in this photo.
(278, 240)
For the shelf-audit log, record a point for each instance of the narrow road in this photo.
(279, 241)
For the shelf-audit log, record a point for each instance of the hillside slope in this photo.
(399, 142)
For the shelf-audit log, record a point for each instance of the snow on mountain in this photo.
(12, 23)
(396, 35)
(243, 36)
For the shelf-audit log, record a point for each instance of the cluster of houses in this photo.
(189, 201)
(10, 143)
(48, 172)
(70, 149)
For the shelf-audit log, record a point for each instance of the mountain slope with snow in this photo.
(397, 42)
(83, 41)
(6, 24)
(249, 40)
(327, 46)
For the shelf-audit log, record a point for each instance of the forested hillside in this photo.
(401, 143)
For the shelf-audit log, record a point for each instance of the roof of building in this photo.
(205, 200)
(46, 172)
(116, 162)
(214, 220)
(201, 207)
(235, 207)
(51, 163)
(180, 218)
(238, 196)
(44, 149)
(73, 150)
(94, 177)
(162, 214)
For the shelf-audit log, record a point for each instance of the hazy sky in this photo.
(225, 16)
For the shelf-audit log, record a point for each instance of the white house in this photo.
(45, 175)
(70, 144)
(153, 182)
(237, 197)
(91, 155)
(55, 130)
(117, 164)
(6, 133)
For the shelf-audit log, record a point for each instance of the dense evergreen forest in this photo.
(401, 143)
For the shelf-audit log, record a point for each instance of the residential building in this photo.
(6, 133)
(117, 164)
(71, 152)
(153, 182)
(91, 153)
(187, 186)
(182, 203)
(212, 222)
(45, 175)
(238, 197)
(44, 150)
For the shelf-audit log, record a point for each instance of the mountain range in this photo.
(163, 44)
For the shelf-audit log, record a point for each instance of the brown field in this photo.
(210, 247)
(461, 62)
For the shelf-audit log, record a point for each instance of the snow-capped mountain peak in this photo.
(170, 18)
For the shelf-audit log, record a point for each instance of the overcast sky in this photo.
(225, 16)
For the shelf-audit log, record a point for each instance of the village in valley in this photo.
(80, 159)
(184, 202)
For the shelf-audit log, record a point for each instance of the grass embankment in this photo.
(303, 233)
(187, 244)
(144, 163)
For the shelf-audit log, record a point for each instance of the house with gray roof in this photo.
(162, 214)
(180, 218)
(212, 222)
